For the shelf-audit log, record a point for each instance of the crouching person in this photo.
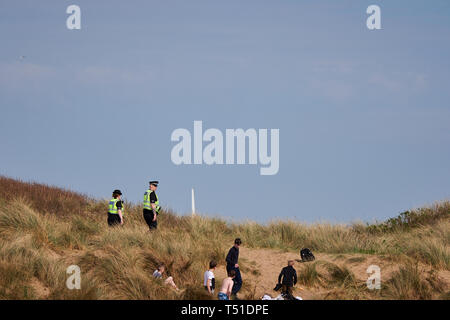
(159, 275)
(227, 286)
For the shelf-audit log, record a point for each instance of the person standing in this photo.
(209, 280)
(151, 205)
(115, 209)
(232, 264)
(288, 278)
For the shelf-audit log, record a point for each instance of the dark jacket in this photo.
(232, 257)
(289, 276)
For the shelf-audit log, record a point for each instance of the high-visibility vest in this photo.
(147, 204)
(112, 207)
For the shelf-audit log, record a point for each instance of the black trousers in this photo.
(148, 216)
(113, 219)
(286, 289)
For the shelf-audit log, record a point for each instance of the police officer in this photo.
(115, 209)
(151, 205)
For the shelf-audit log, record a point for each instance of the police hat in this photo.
(117, 192)
(155, 183)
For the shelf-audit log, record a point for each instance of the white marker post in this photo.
(193, 202)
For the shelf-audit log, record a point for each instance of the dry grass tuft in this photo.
(409, 282)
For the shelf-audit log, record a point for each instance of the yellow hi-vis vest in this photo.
(112, 207)
(147, 204)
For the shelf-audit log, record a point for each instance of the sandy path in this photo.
(266, 264)
(260, 269)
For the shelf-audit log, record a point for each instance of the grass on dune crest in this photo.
(45, 229)
(428, 243)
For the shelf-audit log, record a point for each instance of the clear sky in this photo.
(364, 116)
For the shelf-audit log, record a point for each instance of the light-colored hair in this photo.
(291, 262)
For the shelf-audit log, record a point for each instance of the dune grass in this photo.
(410, 282)
(45, 229)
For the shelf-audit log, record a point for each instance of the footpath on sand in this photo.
(260, 269)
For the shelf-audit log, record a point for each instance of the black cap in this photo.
(117, 192)
(155, 183)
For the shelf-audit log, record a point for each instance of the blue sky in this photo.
(364, 116)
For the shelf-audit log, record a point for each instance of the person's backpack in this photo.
(306, 255)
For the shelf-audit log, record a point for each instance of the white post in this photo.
(193, 202)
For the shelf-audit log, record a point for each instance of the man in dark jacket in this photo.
(289, 276)
(232, 264)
